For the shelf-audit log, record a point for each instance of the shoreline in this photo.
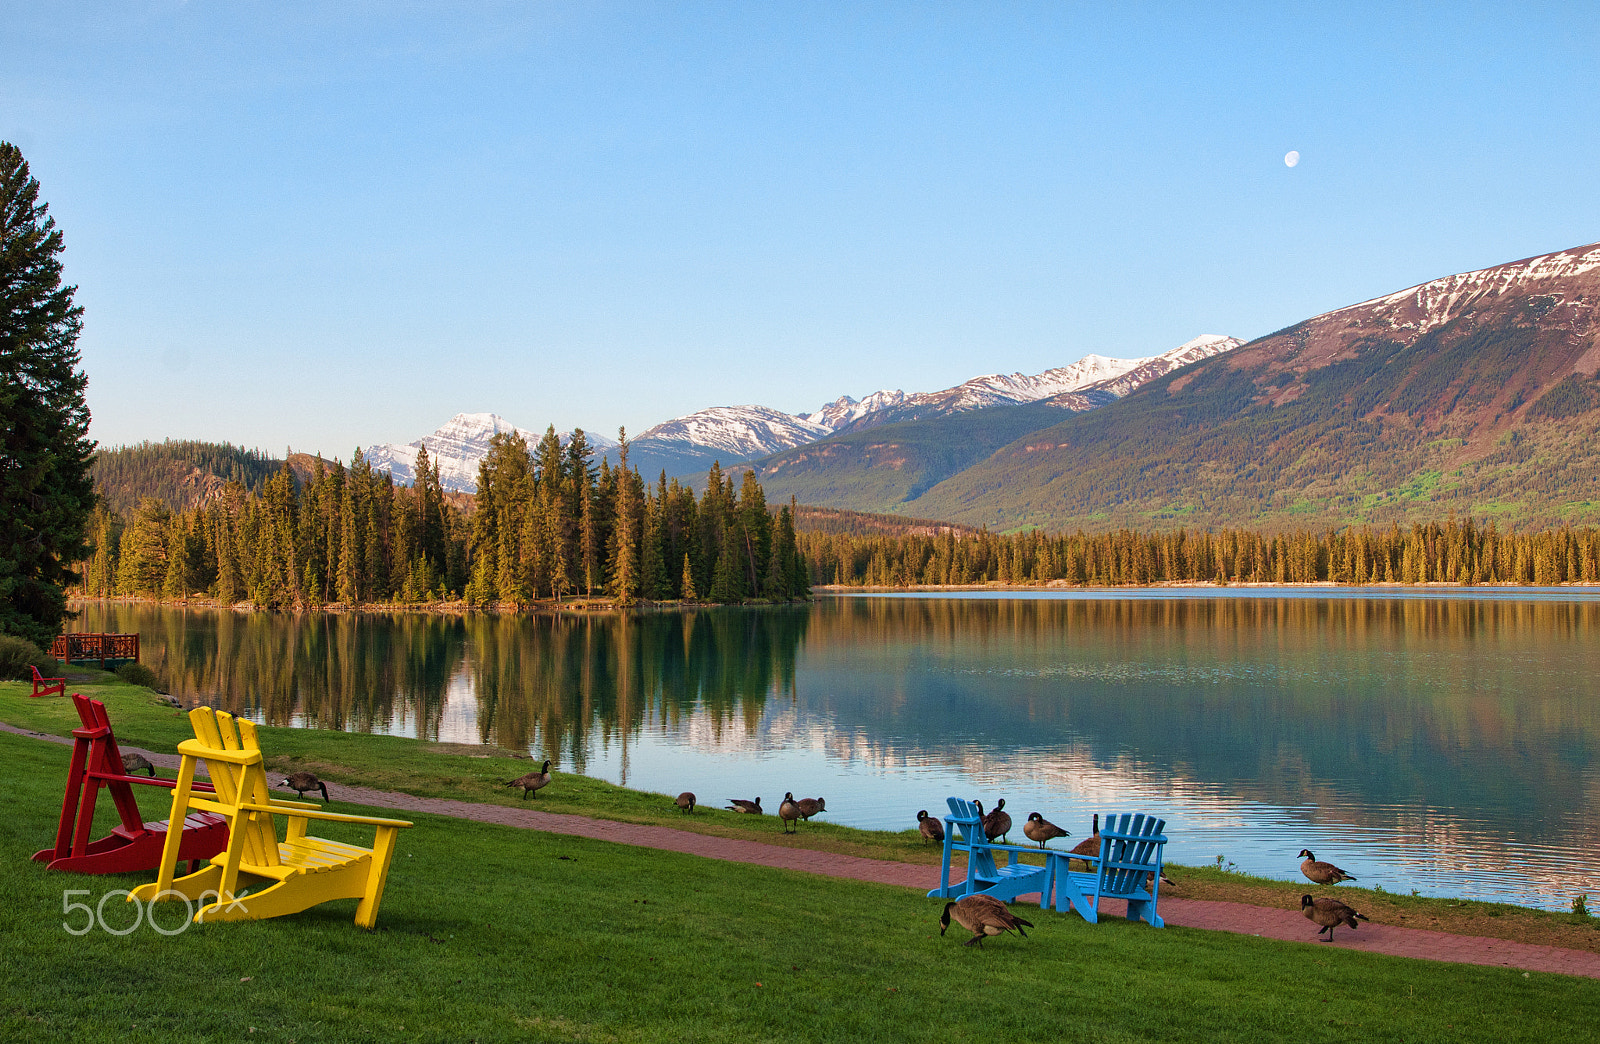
(587, 606)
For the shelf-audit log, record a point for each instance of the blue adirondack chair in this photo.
(1130, 852)
(964, 831)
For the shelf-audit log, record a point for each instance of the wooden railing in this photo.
(78, 648)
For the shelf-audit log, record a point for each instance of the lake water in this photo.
(1443, 741)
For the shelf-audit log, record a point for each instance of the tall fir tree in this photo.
(624, 531)
(46, 492)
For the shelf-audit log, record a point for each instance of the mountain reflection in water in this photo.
(1406, 735)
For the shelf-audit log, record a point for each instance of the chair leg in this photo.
(377, 876)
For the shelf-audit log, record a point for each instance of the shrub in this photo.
(138, 674)
(18, 654)
(1580, 906)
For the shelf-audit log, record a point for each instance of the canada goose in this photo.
(1328, 913)
(1320, 872)
(997, 823)
(1041, 829)
(1089, 846)
(741, 805)
(982, 915)
(932, 829)
(132, 763)
(788, 811)
(810, 807)
(300, 782)
(531, 783)
(685, 802)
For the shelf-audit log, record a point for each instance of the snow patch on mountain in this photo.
(742, 432)
(1202, 347)
(1436, 302)
(844, 409)
(456, 448)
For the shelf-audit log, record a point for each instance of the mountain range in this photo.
(1473, 394)
(687, 446)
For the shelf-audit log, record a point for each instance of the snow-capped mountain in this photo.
(1427, 305)
(456, 448)
(1088, 396)
(737, 432)
(844, 409)
(1091, 381)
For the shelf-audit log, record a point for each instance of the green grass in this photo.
(489, 933)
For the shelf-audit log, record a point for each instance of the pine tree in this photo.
(589, 547)
(624, 532)
(352, 536)
(688, 594)
(228, 584)
(46, 492)
(430, 514)
(143, 567)
(99, 580)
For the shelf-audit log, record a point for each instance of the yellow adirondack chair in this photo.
(299, 872)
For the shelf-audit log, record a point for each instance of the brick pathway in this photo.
(1266, 922)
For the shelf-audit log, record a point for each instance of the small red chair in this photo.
(133, 845)
(42, 686)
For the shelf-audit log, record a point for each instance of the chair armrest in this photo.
(332, 817)
(1020, 849)
(149, 781)
(196, 749)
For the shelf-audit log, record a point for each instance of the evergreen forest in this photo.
(1454, 552)
(545, 524)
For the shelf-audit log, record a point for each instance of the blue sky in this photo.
(329, 225)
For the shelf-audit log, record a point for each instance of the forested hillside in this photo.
(181, 474)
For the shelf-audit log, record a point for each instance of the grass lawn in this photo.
(493, 933)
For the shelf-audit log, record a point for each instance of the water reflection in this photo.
(1406, 735)
(552, 681)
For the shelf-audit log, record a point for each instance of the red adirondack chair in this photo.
(42, 686)
(134, 844)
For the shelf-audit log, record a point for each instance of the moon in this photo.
(1291, 158)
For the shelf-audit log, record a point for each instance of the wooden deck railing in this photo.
(78, 648)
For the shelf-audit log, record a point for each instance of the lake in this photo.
(1445, 741)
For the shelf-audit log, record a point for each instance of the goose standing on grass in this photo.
(810, 807)
(301, 782)
(982, 915)
(931, 828)
(135, 763)
(1041, 829)
(741, 805)
(531, 783)
(1322, 873)
(1329, 913)
(788, 812)
(685, 802)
